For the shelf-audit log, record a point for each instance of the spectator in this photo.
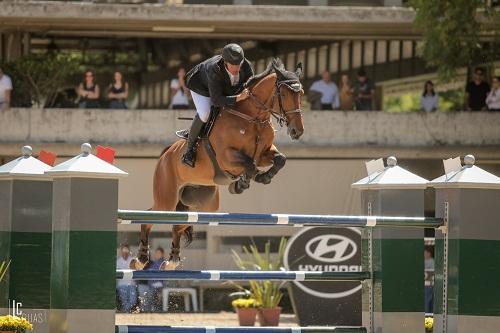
(156, 286)
(346, 98)
(179, 92)
(476, 92)
(88, 91)
(429, 100)
(126, 290)
(328, 90)
(364, 92)
(5, 90)
(493, 99)
(150, 291)
(118, 92)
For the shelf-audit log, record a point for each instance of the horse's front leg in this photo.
(240, 159)
(274, 157)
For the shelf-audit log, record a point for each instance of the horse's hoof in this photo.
(137, 264)
(169, 265)
(262, 178)
(234, 189)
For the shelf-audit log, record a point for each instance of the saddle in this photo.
(221, 177)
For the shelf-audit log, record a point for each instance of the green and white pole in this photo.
(25, 239)
(467, 255)
(393, 300)
(83, 279)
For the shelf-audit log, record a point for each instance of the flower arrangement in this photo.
(429, 324)
(240, 303)
(14, 324)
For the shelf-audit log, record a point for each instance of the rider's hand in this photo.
(243, 95)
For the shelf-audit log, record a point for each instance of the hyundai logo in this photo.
(331, 248)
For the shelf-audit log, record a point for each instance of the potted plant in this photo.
(14, 324)
(246, 308)
(266, 293)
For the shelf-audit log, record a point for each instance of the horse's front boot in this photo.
(263, 178)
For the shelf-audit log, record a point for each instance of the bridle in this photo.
(281, 116)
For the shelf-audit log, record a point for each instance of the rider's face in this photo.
(233, 69)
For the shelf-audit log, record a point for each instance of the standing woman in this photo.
(493, 99)
(118, 92)
(88, 91)
(429, 101)
(346, 97)
(179, 91)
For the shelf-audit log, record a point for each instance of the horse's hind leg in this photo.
(142, 259)
(177, 232)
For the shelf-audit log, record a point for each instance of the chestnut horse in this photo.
(242, 139)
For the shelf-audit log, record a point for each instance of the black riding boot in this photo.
(189, 158)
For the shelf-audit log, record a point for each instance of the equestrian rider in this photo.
(217, 81)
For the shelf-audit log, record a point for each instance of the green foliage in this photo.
(38, 77)
(449, 100)
(267, 294)
(457, 33)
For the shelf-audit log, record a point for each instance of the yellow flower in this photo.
(14, 323)
(429, 323)
(244, 303)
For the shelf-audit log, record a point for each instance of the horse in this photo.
(242, 140)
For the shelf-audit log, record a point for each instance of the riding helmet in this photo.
(233, 54)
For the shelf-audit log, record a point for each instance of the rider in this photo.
(217, 81)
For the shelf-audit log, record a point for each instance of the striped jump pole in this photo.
(241, 275)
(208, 329)
(171, 217)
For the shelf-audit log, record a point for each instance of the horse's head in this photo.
(289, 91)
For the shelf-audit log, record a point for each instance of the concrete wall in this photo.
(143, 133)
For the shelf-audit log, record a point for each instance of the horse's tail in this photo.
(187, 234)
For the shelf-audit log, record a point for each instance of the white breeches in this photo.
(202, 105)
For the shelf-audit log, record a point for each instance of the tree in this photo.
(457, 33)
(37, 78)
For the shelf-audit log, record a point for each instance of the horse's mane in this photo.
(277, 66)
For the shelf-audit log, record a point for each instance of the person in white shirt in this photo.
(329, 92)
(179, 91)
(5, 90)
(127, 290)
(429, 101)
(493, 99)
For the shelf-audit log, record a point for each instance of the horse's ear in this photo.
(298, 69)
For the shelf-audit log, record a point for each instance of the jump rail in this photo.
(241, 275)
(165, 217)
(187, 329)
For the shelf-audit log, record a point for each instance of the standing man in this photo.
(364, 92)
(476, 92)
(5, 90)
(328, 90)
(217, 81)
